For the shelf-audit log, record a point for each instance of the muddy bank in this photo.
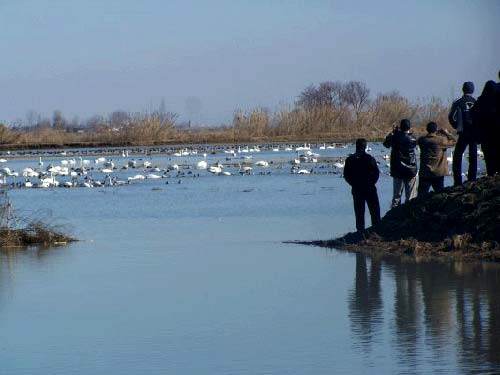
(459, 222)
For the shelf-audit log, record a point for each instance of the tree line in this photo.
(328, 111)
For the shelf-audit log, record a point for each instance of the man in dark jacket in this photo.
(433, 163)
(361, 172)
(403, 162)
(486, 118)
(461, 119)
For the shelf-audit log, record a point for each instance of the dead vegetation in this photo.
(331, 111)
(22, 232)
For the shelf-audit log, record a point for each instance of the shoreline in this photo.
(460, 222)
(415, 250)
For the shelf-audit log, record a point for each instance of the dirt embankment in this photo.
(459, 222)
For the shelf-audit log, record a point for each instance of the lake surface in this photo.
(194, 278)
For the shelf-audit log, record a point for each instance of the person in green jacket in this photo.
(433, 162)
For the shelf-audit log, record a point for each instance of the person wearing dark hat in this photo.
(361, 172)
(433, 163)
(403, 162)
(461, 120)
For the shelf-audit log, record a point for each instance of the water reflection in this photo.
(365, 302)
(11, 257)
(450, 309)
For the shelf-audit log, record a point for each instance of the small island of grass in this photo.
(22, 232)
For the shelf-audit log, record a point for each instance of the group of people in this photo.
(476, 122)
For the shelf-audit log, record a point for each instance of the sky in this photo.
(207, 59)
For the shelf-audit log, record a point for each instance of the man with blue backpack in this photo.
(461, 120)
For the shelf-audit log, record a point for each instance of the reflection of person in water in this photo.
(406, 309)
(438, 309)
(365, 303)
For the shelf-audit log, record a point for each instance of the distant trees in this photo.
(326, 94)
(330, 110)
(356, 95)
(32, 118)
(119, 119)
(335, 95)
(340, 110)
(4, 133)
(58, 121)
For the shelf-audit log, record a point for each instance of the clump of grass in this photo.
(20, 232)
(36, 233)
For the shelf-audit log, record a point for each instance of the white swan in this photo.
(29, 172)
(262, 163)
(202, 165)
(339, 164)
(215, 169)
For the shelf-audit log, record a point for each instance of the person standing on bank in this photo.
(403, 162)
(433, 163)
(461, 119)
(361, 172)
(486, 118)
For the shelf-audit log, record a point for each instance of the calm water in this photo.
(193, 278)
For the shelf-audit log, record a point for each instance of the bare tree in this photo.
(308, 97)
(32, 118)
(95, 121)
(119, 119)
(327, 94)
(58, 121)
(356, 95)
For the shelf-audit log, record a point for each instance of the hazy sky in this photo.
(209, 58)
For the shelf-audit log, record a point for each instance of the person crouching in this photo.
(361, 172)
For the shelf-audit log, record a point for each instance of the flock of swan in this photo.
(99, 171)
(104, 171)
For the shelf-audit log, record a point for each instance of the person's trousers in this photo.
(491, 157)
(425, 183)
(370, 197)
(398, 184)
(462, 143)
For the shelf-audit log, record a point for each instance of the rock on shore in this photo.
(459, 222)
